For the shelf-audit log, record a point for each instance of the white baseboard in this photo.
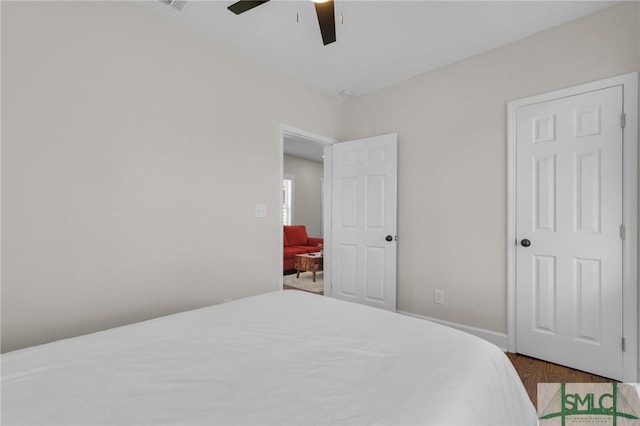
(498, 339)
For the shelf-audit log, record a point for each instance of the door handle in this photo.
(388, 238)
(525, 243)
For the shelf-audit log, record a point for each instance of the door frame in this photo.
(285, 130)
(629, 211)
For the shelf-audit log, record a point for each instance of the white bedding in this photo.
(282, 358)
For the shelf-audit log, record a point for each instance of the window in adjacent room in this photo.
(287, 199)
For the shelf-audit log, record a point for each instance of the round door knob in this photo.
(525, 243)
(388, 238)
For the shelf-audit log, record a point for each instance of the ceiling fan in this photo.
(324, 10)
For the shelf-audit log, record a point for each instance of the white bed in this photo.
(282, 358)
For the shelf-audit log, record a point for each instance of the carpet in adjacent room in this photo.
(305, 282)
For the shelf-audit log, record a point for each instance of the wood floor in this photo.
(533, 371)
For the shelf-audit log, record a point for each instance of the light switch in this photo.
(261, 210)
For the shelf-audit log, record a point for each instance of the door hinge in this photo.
(623, 344)
(622, 232)
(623, 120)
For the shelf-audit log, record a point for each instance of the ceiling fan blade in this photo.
(327, 21)
(244, 5)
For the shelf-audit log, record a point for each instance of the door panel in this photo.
(545, 190)
(364, 214)
(569, 205)
(545, 293)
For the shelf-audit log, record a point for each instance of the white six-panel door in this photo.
(363, 203)
(568, 216)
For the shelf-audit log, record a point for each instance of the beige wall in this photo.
(451, 126)
(130, 175)
(133, 155)
(306, 200)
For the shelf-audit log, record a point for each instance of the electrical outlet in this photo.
(438, 296)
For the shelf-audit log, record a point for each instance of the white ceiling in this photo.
(380, 42)
(303, 148)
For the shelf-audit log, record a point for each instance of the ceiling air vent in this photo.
(175, 4)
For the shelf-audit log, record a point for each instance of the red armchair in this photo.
(296, 241)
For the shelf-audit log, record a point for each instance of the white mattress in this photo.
(282, 358)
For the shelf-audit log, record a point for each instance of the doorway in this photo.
(360, 187)
(572, 249)
(302, 200)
